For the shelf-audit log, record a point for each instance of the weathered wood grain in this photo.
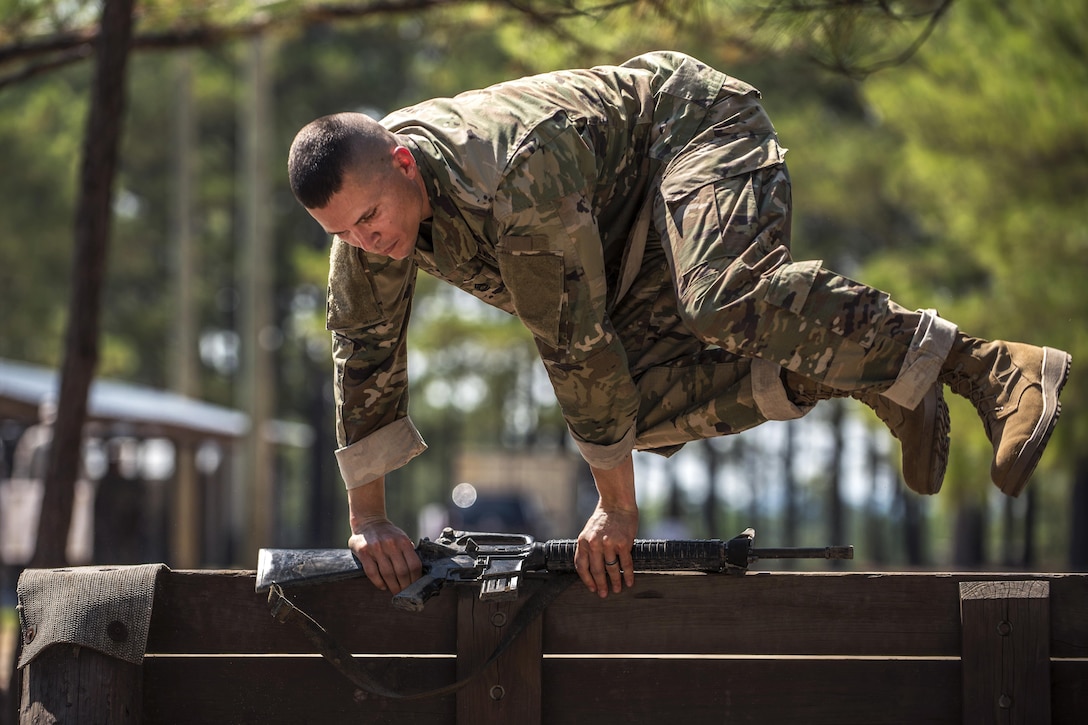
(782, 647)
(69, 684)
(191, 604)
(785, 614)
(509, 690)
(252, 690)
(757, 691)
(780, 613)
(1006, 652)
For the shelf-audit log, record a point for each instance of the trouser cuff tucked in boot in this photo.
(931, 344)
(769, 392)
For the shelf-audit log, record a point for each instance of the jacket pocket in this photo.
(366, 290)
(352, 301)
(534, 278)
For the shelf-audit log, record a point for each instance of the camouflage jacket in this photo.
(536, 187)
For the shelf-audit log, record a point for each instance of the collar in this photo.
(451, 239)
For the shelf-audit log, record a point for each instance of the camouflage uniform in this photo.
(636, 218)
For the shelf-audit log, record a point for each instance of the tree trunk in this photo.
(791, 535)
(1008, 537)
(836, 510)
(876, 521)
(256, 383)
(1027, 559)
(1078, 538)
(912, 511)
(92, 230)
(969, 536)
(710, 503)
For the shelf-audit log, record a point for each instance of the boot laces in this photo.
(983, 397)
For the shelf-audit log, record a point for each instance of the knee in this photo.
(720, 301)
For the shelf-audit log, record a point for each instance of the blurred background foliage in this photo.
(938, 149)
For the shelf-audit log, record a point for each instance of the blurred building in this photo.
(158, 479)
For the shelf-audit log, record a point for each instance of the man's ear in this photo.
(403, 160)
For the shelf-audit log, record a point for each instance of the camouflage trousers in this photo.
(729, 309)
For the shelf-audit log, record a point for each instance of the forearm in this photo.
(366, 504)
(616, 486)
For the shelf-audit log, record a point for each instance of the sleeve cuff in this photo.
(384, 450)
(606, 456)
(932, 342)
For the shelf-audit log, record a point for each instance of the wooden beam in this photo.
(508, 690)
(1006, 651)
(70, 684)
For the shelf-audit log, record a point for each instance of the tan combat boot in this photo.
(1015, 389)
(922, 433)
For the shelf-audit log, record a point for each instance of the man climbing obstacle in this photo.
(636, 218)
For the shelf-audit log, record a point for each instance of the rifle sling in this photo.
(283, 610)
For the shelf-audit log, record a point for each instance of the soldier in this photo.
(636, 218)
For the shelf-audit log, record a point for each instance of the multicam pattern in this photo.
(636, 219)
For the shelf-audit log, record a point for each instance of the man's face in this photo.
(380, 215)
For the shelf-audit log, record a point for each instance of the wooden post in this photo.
(1006, 651)
(508, 691)
(70, 684)
(188, 524)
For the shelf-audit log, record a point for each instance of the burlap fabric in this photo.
(105, 608)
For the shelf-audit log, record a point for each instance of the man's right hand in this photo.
(387, 554)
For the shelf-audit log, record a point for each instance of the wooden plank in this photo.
(1069, 690)
(507, 691)
(1068, 623)
(624, 691)
(764, 614)
(69, 684)
(1006, 652)
(255, 690)
(200, 612)
(782, 614)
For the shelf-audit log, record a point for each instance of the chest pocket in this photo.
(534, 278)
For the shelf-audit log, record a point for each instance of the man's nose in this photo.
(362, 239)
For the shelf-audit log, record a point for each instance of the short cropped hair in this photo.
(329, 148)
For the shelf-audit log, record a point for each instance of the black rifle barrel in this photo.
(805, 552)
(690, 555)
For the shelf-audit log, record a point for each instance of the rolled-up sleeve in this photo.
(384, 450)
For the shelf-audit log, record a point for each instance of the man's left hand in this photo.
(603, 554)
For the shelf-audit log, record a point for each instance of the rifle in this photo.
(497, 561)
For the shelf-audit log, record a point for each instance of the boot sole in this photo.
(925, 474)
(1056, 365)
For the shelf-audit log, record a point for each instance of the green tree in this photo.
(41, 37)
(992, 155)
